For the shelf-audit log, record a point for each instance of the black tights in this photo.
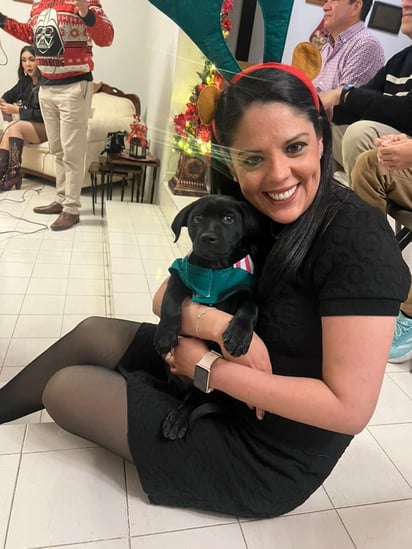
(75, 381)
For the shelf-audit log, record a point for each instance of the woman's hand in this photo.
(183, 358)
(9, 108)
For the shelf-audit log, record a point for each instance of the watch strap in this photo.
(345, 89)
(202, 371)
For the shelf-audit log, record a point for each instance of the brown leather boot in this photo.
(4, 161)
(13, 175)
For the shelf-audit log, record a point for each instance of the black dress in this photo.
(231, 462)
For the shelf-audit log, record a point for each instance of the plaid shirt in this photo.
(353, 58)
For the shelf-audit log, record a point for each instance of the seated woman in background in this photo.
(23, 100)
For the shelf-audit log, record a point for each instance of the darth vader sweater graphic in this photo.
(62, 39)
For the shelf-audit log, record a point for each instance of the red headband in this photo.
(281, 67)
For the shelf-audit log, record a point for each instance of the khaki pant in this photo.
(65, 111)
(350, 141)
(376, 184)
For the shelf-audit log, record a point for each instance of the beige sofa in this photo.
(112, 110)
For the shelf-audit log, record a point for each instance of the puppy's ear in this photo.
(181, 220)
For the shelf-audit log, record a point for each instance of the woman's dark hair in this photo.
(268, 85)
(20, 70)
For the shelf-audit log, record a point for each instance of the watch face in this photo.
(201, 378)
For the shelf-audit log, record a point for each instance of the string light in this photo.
(192, 136)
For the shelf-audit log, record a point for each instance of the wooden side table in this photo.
(102, 168)
(137, 167)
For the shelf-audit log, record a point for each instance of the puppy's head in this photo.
(218, 225)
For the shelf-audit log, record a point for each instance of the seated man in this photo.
(381, 107)
(352, 53)
(378, 175)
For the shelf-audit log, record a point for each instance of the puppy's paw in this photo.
(175, 424)
(236, 341)
(164, 340)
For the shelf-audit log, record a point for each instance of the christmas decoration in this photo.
(137, 138)
(192, 135)
(225, 21)
(201, 22)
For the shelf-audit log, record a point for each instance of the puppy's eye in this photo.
(197, 219)
(229, 219)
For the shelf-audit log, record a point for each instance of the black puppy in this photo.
(218, 272)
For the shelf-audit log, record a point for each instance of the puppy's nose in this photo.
(208, 238)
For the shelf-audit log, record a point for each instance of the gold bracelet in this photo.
(199, 317)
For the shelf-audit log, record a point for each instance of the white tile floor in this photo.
(57, 490)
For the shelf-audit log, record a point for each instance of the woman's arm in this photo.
(355, 351)
(208, 323)
(13, 94)
(212, 327)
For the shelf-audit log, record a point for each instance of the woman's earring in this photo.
(234, 178)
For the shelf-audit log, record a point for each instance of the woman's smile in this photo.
(283, 196)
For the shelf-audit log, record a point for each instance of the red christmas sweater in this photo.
(61, 38)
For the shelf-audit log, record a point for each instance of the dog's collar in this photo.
(209, 286)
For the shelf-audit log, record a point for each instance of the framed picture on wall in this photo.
(385, 17)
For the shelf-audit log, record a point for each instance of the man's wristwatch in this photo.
(345, 89)
(202, 371)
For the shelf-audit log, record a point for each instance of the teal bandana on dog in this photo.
(212, 286)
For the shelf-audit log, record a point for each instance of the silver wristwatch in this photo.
(202, 371)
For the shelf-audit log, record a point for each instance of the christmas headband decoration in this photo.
(209, 96)
(294, 71)
(200, 20)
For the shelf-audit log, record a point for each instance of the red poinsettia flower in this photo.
(191, 109)
(226, 24)
(204, 133)
(179, 122)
